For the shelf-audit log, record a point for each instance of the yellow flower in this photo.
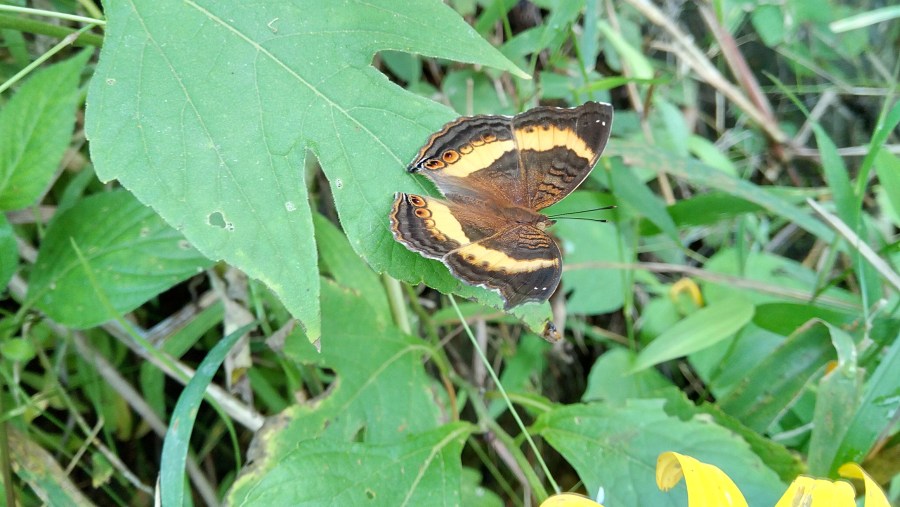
(569, 500)
(707, 485)
(807, 491)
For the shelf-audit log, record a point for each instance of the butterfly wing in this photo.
(479, 247)
(531, 160)
(558, 148)
(474, 158)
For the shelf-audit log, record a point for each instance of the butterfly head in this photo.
(544, 223)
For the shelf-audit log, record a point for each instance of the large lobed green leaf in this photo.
(424, 469)
(378, 417)
(207, 110)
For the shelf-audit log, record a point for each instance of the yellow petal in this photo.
(707, 485)
(875, 496)
(689, 286)
(810, 492)
(570, 500)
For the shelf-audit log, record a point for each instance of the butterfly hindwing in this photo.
(434, 227)
(522, 263)
(519, 261)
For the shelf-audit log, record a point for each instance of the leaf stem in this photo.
(69, 39)
(506, 399)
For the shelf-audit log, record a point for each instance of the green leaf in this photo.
(837, 399)
(887, 166)
(702, 175)
(17, 349)
(768, 21)
(178, 438)
(36, 128)
(592, 291)
(610, 379)
(640, 66)
(700, 330)
(877, 411)
(38, 468)
(519, 367)
(783, 461)
(207, 112)
(556, 28)
(634, 195)
(153, 379)
(778, 273)
(131, 253)
(616, 447)
(710, 154)
(347, 269)
(785, 318)
(473, 494)
(381, 400)
(424, 469)
(9, 251)
(887, 124)
(671, 131)
(774, 385)
(725, 365)
(837, 178)
(382, 385)
(866, 18)
(703, 209)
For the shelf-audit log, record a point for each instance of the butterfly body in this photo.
(496, 173)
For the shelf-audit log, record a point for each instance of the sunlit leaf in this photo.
(207, 111)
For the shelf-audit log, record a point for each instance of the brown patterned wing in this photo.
(531, 160)
(435, 227)
(480, 246)
(558, 148)
(472, 159)
(522, 264)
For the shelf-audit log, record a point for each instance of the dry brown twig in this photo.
(686, 50)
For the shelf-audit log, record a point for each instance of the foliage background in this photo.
(741, 307)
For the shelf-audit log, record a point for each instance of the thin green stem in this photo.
(494, 471)
(53, 14)
(398, 307)
(5, 461)
(44, 57)
(28, 25)
(512, 409)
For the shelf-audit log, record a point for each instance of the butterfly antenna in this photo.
(581, 218)
(582, 211)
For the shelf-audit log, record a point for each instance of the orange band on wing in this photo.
(496, 260)
(481, 157)
(537, 138)
(445, 223)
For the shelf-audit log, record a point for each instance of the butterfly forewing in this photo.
(472, 158)
(558, 148)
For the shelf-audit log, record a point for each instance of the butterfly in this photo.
(496, 173)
